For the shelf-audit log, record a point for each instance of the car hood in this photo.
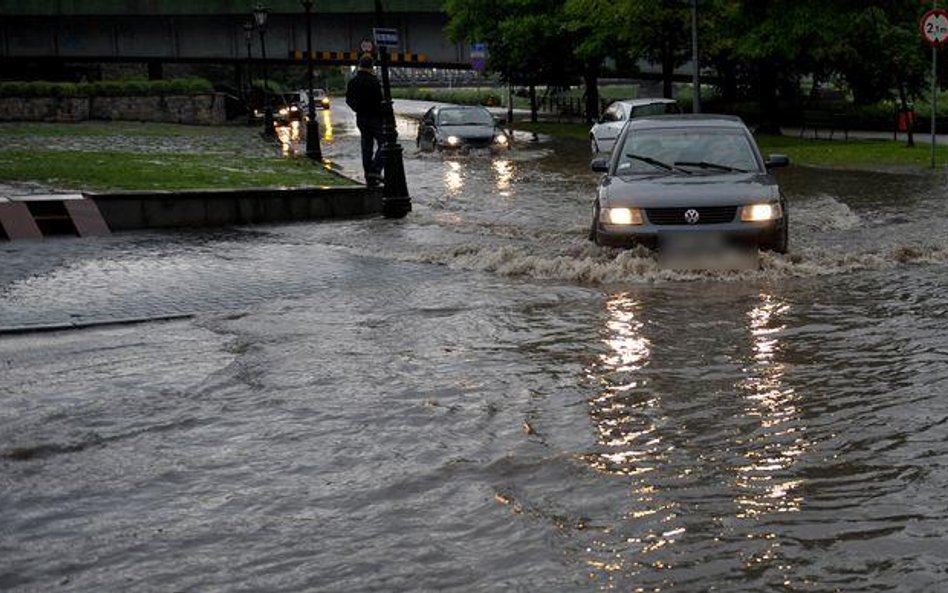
(700, 189)
(467, 131)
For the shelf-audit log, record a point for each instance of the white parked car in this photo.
(602, 136)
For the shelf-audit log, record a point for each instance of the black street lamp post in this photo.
(396, 203)
(260, 14)
(248, 37)
(313, 150)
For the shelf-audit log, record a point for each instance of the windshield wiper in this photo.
(655, 162)
(707, 165)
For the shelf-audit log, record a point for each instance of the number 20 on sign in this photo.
(934, 26)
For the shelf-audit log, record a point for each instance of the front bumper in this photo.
(654, 236)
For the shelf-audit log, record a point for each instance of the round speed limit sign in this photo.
(934, 25)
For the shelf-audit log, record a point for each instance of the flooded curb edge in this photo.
(134, 210)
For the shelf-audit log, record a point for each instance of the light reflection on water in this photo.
(781, 438)
(453, 178)
(327, 126)
(625, 413)
(504, 172)
(637, 438)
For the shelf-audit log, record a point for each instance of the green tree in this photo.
(524, 38)
(659, 32)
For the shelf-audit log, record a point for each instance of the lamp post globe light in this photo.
(260, 15)
(396, 203)
(313, 149)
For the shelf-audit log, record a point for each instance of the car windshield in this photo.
(465, 117)
(686, 151)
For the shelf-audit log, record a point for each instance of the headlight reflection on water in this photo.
(504, 172)
(623, 429)
(635, 441)
(289, 137)
(327, 125)
(629, 444)
(453, 178)
(773, 449)
(765, 481)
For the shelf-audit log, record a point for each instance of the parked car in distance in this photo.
(689, 179)
(460, 127)
(602, 136)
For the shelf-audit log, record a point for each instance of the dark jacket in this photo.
(364, 96)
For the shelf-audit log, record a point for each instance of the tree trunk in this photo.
(533, 103)
(668, 67)
(769, 108)
(591, 80)
(910, 123)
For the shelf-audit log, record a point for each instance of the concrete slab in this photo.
(17, 222)
(86, 218)
(45, 197)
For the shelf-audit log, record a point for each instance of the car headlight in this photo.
(761, 212)
(621, 216)
(325, 101)
(500, 139)
(284, 111)
(453, 141)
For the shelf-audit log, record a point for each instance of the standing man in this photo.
(364, 96)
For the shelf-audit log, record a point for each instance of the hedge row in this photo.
(106, 88)
(489, 97)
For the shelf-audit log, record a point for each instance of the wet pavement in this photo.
(475, 398)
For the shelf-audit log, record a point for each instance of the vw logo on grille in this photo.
(691, 216)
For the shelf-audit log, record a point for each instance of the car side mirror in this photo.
(600, 165)
(777, 160)
(500, 120)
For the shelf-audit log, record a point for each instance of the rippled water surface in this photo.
(477, 399)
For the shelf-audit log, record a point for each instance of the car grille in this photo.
(478, 142)
(706, 215)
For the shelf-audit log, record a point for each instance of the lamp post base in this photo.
(313, 150)
(268, 131)
(396, 203)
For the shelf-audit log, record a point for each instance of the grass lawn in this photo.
(104, 156)
(861, 154)
(857, 154)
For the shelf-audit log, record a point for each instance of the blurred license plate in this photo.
(703, 251)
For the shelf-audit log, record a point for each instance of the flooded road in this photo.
(475, 398)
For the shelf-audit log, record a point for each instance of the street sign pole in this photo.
(934, 97)
(934, 28)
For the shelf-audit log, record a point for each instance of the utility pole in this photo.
(695, 81)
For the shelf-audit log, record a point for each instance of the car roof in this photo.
(464, 107)
(640, 102)
(687, 120)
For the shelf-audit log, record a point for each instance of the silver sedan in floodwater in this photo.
(696, 180)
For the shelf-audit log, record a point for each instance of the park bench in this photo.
(825, 119)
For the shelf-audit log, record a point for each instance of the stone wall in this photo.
(207, 109)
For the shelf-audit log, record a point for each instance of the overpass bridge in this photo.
(212, 31)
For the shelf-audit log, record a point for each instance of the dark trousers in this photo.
(372, 158)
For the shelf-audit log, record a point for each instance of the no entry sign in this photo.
(934, 26)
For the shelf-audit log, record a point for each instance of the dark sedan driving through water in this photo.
(698, 180)
(458, 127)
